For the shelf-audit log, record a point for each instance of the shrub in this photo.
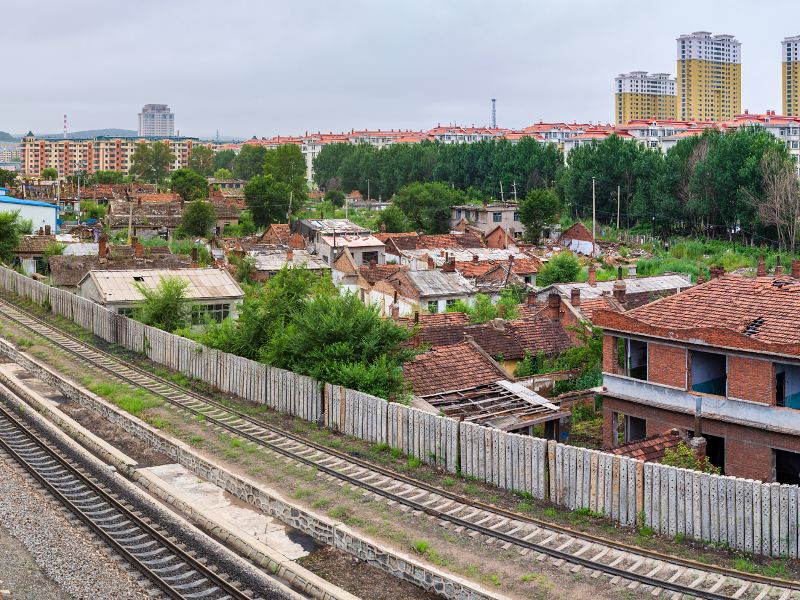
(684, 457)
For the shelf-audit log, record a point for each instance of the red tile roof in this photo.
(446, 368)
(589, 306)
(374, 273)
(277, 233)
(578, 231)
(651, 448)
(760, 314)
(512, 339)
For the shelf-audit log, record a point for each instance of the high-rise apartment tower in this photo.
(156, 120)
(709, 77)
(639, 95)
(790, 69)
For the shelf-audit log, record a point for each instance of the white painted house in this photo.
(41, 214)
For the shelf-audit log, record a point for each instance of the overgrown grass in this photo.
(133, 400)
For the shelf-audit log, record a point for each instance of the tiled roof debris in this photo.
(274, 260)
(723, 312)
(452, 367)
(67, 271)
(503, 405)
(375, 273)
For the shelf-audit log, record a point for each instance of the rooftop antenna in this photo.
(65, 126)
(494, 113)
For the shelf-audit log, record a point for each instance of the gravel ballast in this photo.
(65, 552)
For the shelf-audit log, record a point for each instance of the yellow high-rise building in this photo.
(709, 77)
(638, 95)
(790, 70)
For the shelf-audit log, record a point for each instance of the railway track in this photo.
(151, 552)
(628, 566)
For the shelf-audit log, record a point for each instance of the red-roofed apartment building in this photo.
(728, 352)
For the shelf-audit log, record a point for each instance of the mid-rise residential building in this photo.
(156, 120)
(639, 95)
(721, 359)
(88, 155)
(790, 71)
(709, 77)
(10, 153)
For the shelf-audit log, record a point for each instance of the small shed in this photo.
(42, 215)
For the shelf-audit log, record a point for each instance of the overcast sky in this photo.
(263, 67)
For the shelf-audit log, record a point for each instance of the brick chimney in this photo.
(474, 258)
(289, 255)
(194, 257)
(139, 201)
(431, 264)
(41, 231)
(138, 250)
(716, 272)
(102, 245)
(619, 291)
(778, 270)
(701, 279)
(449, 266)
(761, 269)
(553, 304)
(416, 317)
(530, 299)
(575, 297)
(47, 230)
(592, 276)
(796, 269)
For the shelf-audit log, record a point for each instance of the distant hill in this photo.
(90, 133)
(7, 137)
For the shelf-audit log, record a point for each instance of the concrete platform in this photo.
(232, 513)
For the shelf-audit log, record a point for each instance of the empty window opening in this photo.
(787, 385)
(787, 467)
(709, 373)
(635, 429)
(636, 353)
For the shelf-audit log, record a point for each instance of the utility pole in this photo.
(502, 197)
(618, 208)
(346, 206)
(367, 190)
(514, 185)
(289, 212)
(593, 217)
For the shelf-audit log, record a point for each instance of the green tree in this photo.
(286, 164)
(9, 235)
(393, 219)
(335, 198)
(151, 162)
(108, 177)
(49, 174)
(52, 249)
(538, 209)
(198, 218)
(224, 159)
(340, 340)
(427, 205)
(561, 268)
(223, 173)
(201, 160)
(684, 457)
(166, 306)
(249, 162)
(92, 210)
(267, 200)
(7, 178)
(189, 184)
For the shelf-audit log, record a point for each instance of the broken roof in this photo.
(331, 225)
(652, 448)
(352, 241)
(203, 284)
(502, 404)
(67, 271)
(759, 314)
(511, 340)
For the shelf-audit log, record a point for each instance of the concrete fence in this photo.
(750, 516)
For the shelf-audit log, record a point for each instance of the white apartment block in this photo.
(156, 120)
(640, 82)
(701, 45)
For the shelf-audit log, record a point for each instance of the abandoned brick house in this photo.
(723, 356)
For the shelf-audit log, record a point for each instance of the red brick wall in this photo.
(748, 450)
(751, 379)
(610, 361)
(667, 365)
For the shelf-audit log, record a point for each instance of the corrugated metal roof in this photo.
(352, 241)
(633, 285)
(11, 200)
(274, 260)
(331, 225)
(439, 283)
(120, 286)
